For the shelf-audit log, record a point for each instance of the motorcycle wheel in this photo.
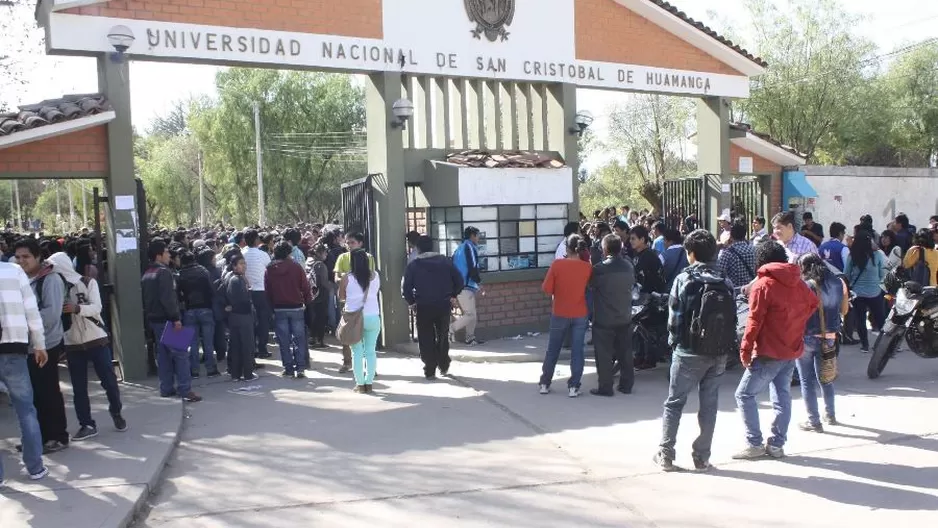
(883, 350)
(639, 347)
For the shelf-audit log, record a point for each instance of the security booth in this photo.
(798, 195)
(442, 77)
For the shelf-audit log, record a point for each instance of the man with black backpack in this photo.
(780, 304)
(49, 288)
(702, 331)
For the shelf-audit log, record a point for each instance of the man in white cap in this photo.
(725, 221)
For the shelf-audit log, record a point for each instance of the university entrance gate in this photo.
(442, 76)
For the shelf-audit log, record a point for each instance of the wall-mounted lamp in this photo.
(583, 120)
(120, 38)
(403, 110)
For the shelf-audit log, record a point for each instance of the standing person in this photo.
(288, 292)
(648, 262)
(597, 254)
(431, 285)
(695, 364)
(237, 302)
(724, 223)
(834, 301)
(783, 226)
(759, 233)
(812, 230)
(659, 244)
(257, 259)
(292, 236)
(22, 328)
(890, 247)
(571, 228)
(197, 293)
(359, 289)
(206, 258)
(49, 289)
(921, 253)
(160, 306)
(903, 233)
(343, 266)
(675, 258)
(834, 251)
(566, 281)
(737, 260)
(780, 304)
(865, 270)
(413, 238)
(86, 341)
(611, 284)
(318, 310)
(466, 260)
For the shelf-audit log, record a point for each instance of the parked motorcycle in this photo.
(650, 334)
(914, 316)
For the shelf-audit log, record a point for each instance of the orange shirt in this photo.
(567, 280)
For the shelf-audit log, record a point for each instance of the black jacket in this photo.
(431, 280)
(195, 287)
(649, 272)
(159, 294)
(612, 283)
(237, 295)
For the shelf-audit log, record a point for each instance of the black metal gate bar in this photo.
(748, 198)
(358, 209)
(682, 198)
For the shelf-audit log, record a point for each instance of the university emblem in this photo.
(491, 17)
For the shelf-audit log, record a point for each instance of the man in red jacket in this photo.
(780, 304)
(288, 292)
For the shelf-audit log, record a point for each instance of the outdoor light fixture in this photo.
(583, 120)
(403, 110)
(121, 38)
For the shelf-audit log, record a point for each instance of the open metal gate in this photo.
(358, 209)
(687, 196)
(748, 198)
(682, 198)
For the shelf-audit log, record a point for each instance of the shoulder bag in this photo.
(351, 328)
(828, 371)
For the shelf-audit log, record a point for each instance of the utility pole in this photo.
(201, 193)
(261, 214)
(58, 204)
(84, 205)
(19, 212)
(71, 207)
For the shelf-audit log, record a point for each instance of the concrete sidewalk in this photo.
(99, 482)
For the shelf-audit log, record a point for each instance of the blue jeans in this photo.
(14, 373)
(290, 327)
(364, 353)
(775, 375)
(558, 330)
(100, 358)
(809, 365)
(203, 320)
(688, 373)
(172, 366)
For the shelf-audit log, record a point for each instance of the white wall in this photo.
(880, 192)
(479, 186)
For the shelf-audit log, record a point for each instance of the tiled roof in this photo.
(513, 159)
(746, 127)
(52, 111)
(700, 26)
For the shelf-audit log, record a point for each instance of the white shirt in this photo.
(561, 252)
(355, 297)
(256, 262)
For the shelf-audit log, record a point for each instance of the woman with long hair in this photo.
(834, 300)
(566, 281)
(890, 247)
(865, 270)
(359, 289)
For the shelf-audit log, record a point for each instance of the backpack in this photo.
(710, 323)
(313, 281)
(920, 272)
(66, 318)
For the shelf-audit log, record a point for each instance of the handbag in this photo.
(351, 328)
(828, 371)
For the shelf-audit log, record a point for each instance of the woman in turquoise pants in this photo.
(360, 290)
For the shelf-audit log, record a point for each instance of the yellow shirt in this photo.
(343, 264)
(931, 258)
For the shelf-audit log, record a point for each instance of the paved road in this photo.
(485, 449)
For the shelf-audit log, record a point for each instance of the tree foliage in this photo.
(611, 185)
(19, 39)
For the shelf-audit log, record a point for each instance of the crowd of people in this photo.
(227, 288)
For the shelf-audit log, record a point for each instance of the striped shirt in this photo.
(256, 262)
(797, 246)
(19, 314)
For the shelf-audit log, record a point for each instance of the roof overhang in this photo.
(56, 129)
(768, 150)
(690, 34)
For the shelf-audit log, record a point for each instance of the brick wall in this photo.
(609, 32)
(84, 150)
(351, 18)
(761, 166)
(513, 303)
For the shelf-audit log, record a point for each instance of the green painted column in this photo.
(123, 262)
(386, 158)
(713, 156)
(561, 118)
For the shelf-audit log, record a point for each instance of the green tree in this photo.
(611, 185)
(913, 79)
(818, 67)
(651, 134)
(168, 167)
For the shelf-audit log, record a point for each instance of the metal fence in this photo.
(748, 198)
(684, 197)
(358, 209)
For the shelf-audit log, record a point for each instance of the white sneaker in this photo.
(574, 392)
(775, 452)
(40, 475)
(543, 389)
